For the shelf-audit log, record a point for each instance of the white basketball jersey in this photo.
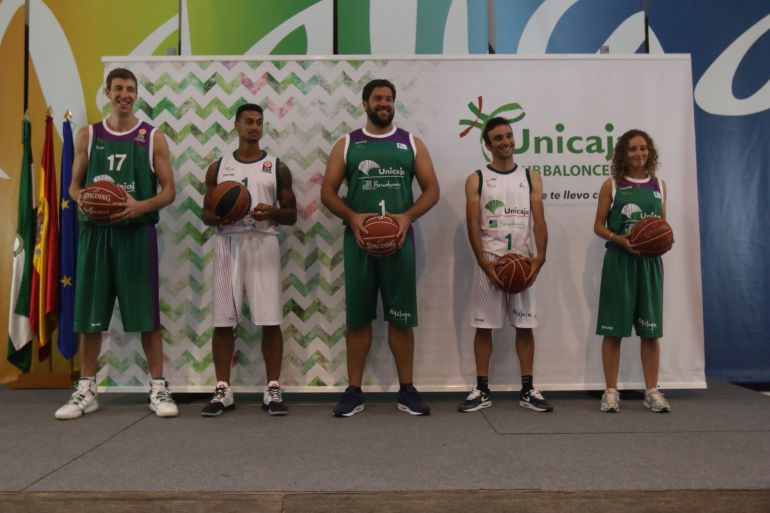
(506, 221)
(260, 178)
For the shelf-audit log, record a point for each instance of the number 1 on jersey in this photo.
(382, 207)
(509, 238)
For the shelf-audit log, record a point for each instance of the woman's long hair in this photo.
(620, 166)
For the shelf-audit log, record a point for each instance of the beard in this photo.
(376, 120)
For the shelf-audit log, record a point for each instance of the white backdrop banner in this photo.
(566, 114)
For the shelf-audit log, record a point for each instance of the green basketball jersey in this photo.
(631, 201)
(379, 171)
(126, 159)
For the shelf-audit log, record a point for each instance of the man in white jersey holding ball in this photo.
(504, 214)
(247, 260)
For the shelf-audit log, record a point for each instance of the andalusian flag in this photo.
(19, 329)
(68, 216)
(44, 298)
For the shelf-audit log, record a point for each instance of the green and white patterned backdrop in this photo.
(308, 106)
(310, 103)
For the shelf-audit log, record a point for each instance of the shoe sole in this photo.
(406, 408)
(352, 412)
(164, 415)
(478, 407)
(610, 410)
(220, 412)
(274, 413)
(90, 409)
(525, 404)
(662, 410)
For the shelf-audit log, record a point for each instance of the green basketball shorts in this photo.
(117, 262)
(394, 276)
(631, 295)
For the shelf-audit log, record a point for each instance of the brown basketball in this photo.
(381, 239)
(652, 236)
(513, 269)
(101, 199)
(230, 201)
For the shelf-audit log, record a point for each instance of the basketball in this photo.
(513, 269)
(230, 201)
(381, 239)
(652, 236)
(100, 200)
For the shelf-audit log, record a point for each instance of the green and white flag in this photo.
(19, 328)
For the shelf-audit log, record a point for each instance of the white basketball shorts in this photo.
(247, 266)
(491, 306)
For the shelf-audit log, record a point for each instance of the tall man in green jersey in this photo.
(379, 163)
(119, 258)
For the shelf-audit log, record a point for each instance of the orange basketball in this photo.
(382, 237)
(652, 236)
(230, 201)
(513, 269)
(100, 200)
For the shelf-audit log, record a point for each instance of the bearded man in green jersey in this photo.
(379, 163)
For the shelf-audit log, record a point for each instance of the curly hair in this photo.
(619, 165)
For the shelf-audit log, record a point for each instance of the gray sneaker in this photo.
(83, 400)
(656, 402)
(475, 401)
(610, 401)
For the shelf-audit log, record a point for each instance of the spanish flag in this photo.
(44, 298)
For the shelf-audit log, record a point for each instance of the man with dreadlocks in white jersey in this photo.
(247, 260)
(504, 212)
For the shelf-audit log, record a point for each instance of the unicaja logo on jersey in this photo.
(494, 205)
(631, 214)
(367, 165)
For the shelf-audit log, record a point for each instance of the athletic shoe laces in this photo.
(220, 395)
(475, 393)
(657, 400)
(536, 394)
(275, 394)
(80, 395)
(161, 393)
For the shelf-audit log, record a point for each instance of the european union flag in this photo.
(68, 340)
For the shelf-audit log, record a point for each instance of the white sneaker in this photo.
(272, 400)
(83, 400)
(160, 399)
(610, 401)
(655, 401)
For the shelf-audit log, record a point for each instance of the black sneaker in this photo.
(222, 401)
(476, 400)
(534, 400)
(409, 401)
(272, 400)
(351, 403)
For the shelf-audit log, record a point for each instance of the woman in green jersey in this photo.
(632, 284)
